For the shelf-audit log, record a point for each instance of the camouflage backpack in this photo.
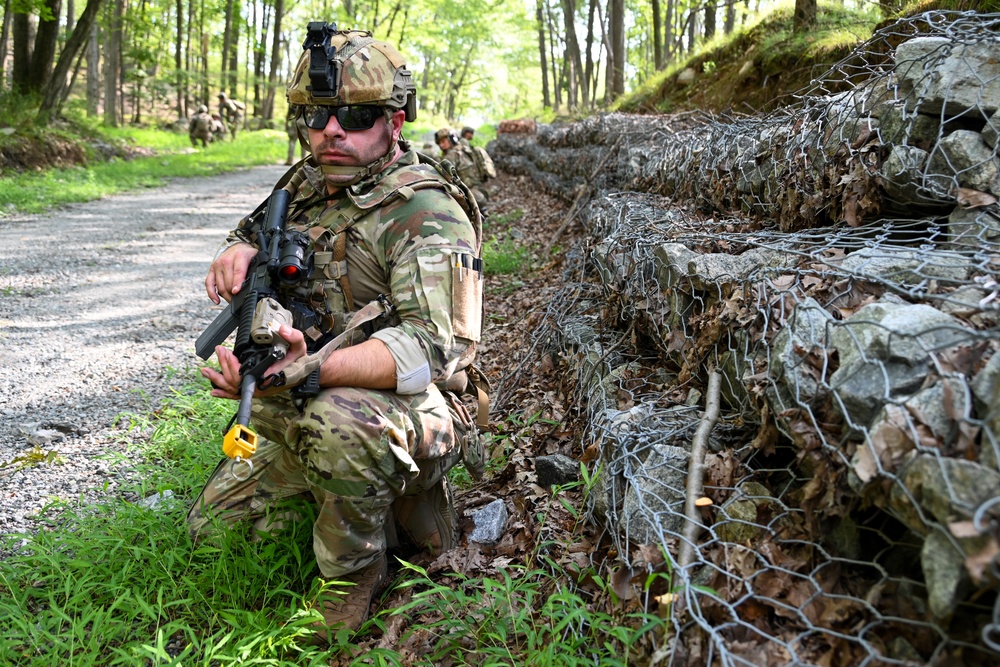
(484, 163)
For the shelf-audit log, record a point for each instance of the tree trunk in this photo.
(227, 43)
(4, 38)
(546, 100)
(179, 59)
(668, 33)
(234, 53)
(272, 74)
(657, 45)
(22, 50)
(112, 65)
(52, 94)
(805, 15)
(710, 9)
(577, 79)
(45, 47)
(553, 61)
(93, 72)
(588, 67)
(616, 19)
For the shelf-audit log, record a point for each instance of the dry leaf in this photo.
(974, 198)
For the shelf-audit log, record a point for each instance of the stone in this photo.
(944, 573)
(964, 160)
(902, 126)
(490, 523)
(929, 487)
(556, 470)
(654, 501)
(943, 76)
(973, 229)
(902, 173)
(805, 332)
(741, 519)
(905, 267)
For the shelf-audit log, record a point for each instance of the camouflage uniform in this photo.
(361, 453)
(231, 113)
(460, 155)
(200, 127)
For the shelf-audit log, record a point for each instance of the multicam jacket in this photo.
(408, 238)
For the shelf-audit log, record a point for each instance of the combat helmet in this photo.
(202, 109)
(342, 67)
(446, 133)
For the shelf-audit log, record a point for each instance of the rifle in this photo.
(256, 314)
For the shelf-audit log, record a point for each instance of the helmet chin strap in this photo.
(360, 173)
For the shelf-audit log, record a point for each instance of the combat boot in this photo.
(428, 519)
(349, 606)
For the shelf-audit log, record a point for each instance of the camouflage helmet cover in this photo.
(445, 133)
(202, 109)
(468, 130)
(371, 72)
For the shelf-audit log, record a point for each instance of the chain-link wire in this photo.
(836, 263)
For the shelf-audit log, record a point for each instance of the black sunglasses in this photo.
(351, 117)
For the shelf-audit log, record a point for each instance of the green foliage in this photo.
(504, 257)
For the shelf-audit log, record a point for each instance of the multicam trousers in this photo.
(355, 451)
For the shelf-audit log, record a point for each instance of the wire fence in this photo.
(835, 265)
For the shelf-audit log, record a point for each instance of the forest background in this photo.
(150, 63)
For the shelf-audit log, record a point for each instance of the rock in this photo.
(884, 351)
(930, 487)
(901, 174)
(992, 130)
(747, 515)
(654, 501)
(556, 470)
(490, 523)
(964, 160)
(944, 573)
(686, 77)
(797, 381)
(906, 267)
(902, 127)
(159, 501)
(943, 75)
(971, 229)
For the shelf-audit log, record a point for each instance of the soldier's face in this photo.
(333, 145)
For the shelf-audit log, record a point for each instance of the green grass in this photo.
(506, 257)
(117, 584)
(38, 192)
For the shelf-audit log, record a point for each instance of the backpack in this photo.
(484, 163)
(202, 121)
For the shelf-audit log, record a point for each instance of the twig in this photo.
(696, 469)
(579, 196)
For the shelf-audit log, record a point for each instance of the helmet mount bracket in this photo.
(324, 72)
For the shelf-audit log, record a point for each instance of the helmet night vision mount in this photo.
(324, 71)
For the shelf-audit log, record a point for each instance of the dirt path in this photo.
(99, 303)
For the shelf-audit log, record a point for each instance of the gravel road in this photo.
(98, 302)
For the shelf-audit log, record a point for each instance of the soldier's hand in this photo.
(229, 271)
(226, 381)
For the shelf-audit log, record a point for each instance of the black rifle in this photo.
(255, 314)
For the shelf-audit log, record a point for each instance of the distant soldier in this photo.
(431, 150)
(467, 134)
(200, 127)
(231, 112)
(460, 155)
(297, 135)
(218, 128)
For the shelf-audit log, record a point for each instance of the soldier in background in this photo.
(460, 155)
(231, 112)
(200, 127)
(218, 128)
(467, 134)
